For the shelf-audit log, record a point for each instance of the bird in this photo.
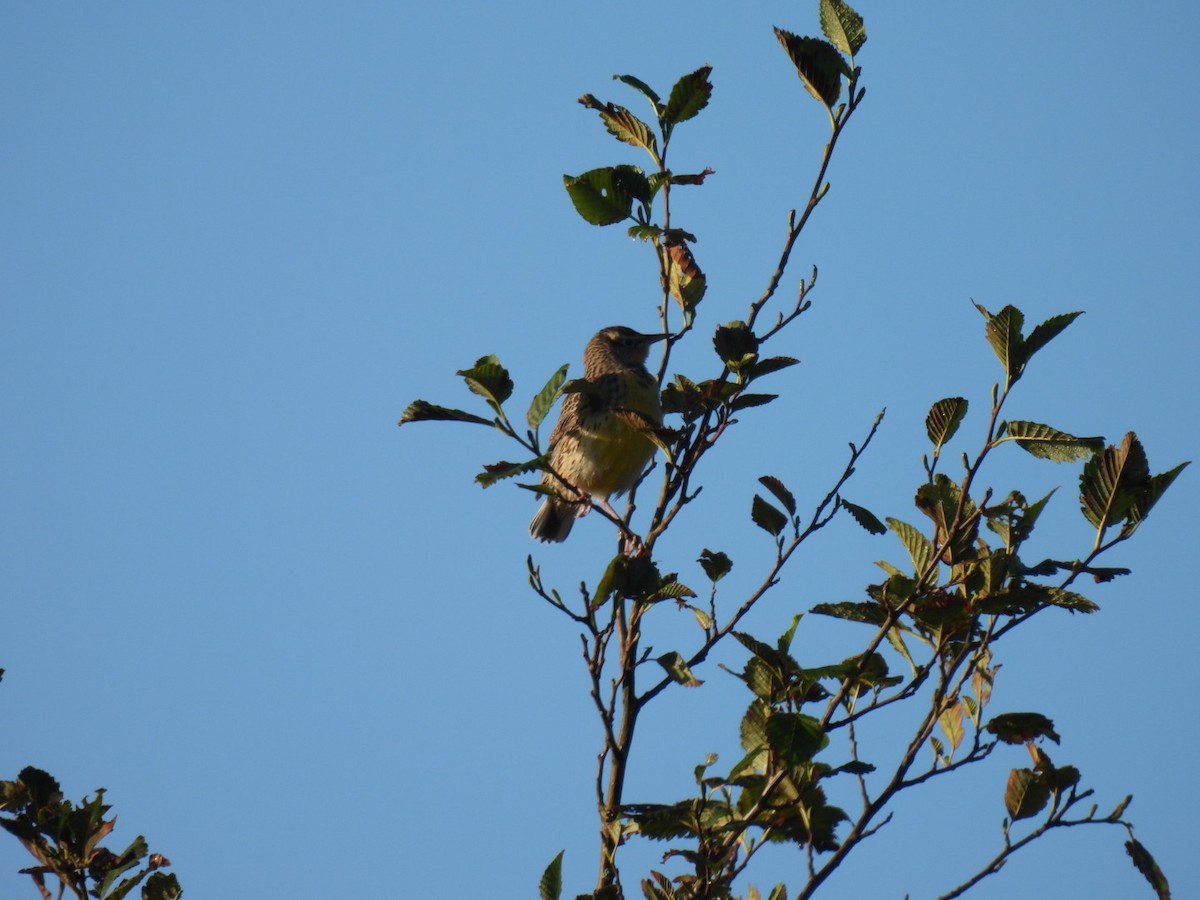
(599, 445)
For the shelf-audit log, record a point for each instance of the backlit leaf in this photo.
(490, 380)
(943, 420)
(690, 94)
(920, 550)
(843, 26)
(550, 886)
(601, 196)
(1026, 794)
(1004, 335)
(545, 398)
(818, 64)
(1050, 443)
(624, 125)
(1112, 482)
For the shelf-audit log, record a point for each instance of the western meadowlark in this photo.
(599, 446)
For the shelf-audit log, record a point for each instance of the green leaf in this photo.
(685, 281)
(748, 401)
(676, 668)
(1049, 443)
(736, 345)
(767, 517)
(421, 411)
(1112, 482)
(920, 550)
(162, 886)
(645, 89)
(1026, 794)
(503, 469)
(624, 125)
(690, 94)
(951, 723)
(603, 196)
(1020, 728)
(779, 489)
(545, 399)
(1155, 488)
(863, 517)
(843, 26)
(1145, 864)
(818, 64)
(768, 365)
(1047, 331)
(870, 613)
(716, 565)
(490, 380)
(794, 737)
(550, 887)
(943, 420)
(1004, 334)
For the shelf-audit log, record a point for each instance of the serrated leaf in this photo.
(685, 282)
(1049, 443)
(421, 411)
(767, 366)
(1004, 334)
(794, 737)
(1026, 794)
(716, 565)
(490, 380)
(162, 886)
(1154, 489)
(690, 94)
(545, 398)
(767, 517)
(550, 886)
(863, 516)
(951, 723)
(736, 345)
(1019, 728)
(1112, 482)
(843, 26)
(1145, 864)
(920, 550)
(624, 125)
(870, 613)
(779, 489)
(818, 64)
(602, 196)
(748, 401)
(676, 668)
(1046, 332)
(943, 420)
(645, 89)
(502, 470)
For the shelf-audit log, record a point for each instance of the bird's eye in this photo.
(628, 342)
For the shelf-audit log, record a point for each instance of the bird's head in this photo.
(626, 346)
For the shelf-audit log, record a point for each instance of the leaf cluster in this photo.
(65, 839)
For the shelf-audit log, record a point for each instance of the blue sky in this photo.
(295, 643)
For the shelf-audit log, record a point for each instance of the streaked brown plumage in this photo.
(599, 444)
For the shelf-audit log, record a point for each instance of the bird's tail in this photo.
(553, 520)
